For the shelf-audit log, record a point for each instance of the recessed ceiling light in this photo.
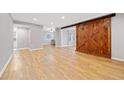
(35, 19)
(63, 17)
(15, 28)
(51, 23)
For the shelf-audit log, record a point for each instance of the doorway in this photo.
(21, 35)
(68, 37)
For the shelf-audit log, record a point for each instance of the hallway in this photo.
(61, 63)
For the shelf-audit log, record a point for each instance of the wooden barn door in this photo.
(94, 37)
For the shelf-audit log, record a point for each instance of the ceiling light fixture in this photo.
(15, 28)
(63, 17)
(35, 19)
(52, 29)
(51, 23)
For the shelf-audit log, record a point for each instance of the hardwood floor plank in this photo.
(61, 64)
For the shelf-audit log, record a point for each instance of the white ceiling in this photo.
(46, 18)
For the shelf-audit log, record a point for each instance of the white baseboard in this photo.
(5, 66)
(36, 49)
(57, 46)
(119, 59)
(67, 46)
(21, 49)
(29, 49)
(63, 46)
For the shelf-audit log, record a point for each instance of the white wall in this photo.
(29, 38)
(118, 36)
(36, 40)
(22, 35)
(6, 38)
(58, 38)
(34, 37)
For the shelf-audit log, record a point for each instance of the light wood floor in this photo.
(61, 63)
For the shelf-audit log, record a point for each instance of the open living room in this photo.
(61, 46)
